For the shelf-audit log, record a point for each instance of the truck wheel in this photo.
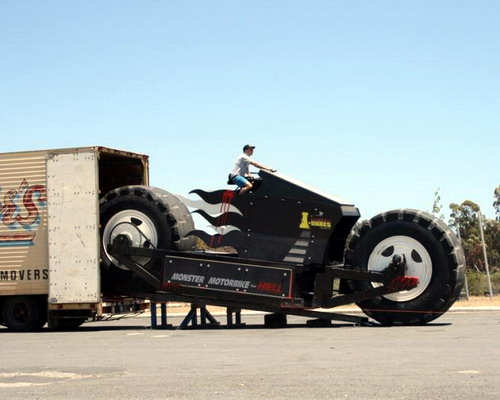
(24, 313)
(433, 254)
(149, 217)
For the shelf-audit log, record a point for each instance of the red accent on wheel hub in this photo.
(402, 283)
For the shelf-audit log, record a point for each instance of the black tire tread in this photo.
(176, 213)
(37, 306)
(449, 243)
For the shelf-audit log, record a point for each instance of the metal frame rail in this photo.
(393, 280)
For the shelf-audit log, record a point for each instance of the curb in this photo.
(484, 308)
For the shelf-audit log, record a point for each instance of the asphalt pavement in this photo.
(455, 357)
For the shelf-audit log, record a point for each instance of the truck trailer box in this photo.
(49, 225)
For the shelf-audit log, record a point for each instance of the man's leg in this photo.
(246, 188)
(243, 183)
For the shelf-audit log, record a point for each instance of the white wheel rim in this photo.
(135, 225)
(418, 263)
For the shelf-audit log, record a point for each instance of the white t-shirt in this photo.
(241, 166)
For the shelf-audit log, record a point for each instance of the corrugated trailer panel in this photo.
(73, 188)
(23, 223)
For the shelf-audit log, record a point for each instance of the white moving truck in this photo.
(49, 231)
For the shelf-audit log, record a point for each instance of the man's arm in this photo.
(260, 166)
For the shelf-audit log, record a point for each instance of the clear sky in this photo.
(377, 102)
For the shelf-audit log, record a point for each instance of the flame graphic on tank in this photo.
(218, 210)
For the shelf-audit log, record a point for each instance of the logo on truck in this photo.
(20, 212)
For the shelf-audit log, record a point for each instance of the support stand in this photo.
(154, 316)
(275, 320)
(192, 318)
(237, 318)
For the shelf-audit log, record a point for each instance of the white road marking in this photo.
(26, 378)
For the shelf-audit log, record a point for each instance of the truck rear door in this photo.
(73, 228)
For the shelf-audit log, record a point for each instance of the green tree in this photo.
(496, 203)
(464, 218)
(492, 239)
(437, 205)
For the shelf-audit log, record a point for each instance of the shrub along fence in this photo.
(478, 282)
